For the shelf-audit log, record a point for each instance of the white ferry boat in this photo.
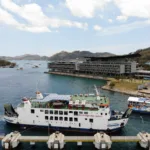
(84, 112)
(139, 104)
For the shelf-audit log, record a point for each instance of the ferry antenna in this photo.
(97, 92)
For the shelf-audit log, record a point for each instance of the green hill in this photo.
(5, 63)
(145, 55)
(63, 55)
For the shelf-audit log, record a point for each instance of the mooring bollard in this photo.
(144, 139)
(56, 141)
(102, 141)
(11, 140)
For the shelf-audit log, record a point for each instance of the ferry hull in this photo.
(63, 129)
(140, 111)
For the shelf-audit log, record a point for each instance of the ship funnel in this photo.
(39, 95)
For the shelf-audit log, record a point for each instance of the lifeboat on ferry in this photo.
(24, 99)
(70, 104)
(103, 105)
(57, 104)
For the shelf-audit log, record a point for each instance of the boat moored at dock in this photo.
(83, 112)
(139, 104)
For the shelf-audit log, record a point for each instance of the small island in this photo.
(7, 64)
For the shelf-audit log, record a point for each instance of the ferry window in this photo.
(65, 112)
(41, 110)
(101, 113)
(51, 112)
(66, 119)
(56, 118)
(60, 118)
(75, 119)
(91, 120)
(46, 111)
(85, 112)
(80, 112)
(61, 112)
(56, 112)
(85, 118)
(32, 111)
(70, 111)
(70, 119)
(105, 113)
(51, 117)
(75, 113)
(46, 117)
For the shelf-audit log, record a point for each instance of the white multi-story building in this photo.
(114, 65)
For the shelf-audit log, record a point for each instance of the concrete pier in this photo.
(78, 75)
(11, 140)
(144, 140)
(102, 141)
(57, 140)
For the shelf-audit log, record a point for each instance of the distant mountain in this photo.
(63, 55)
(25, 57)
(145, 55)
(5, 58)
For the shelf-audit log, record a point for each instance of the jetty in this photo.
(57, 140)
(88, 76)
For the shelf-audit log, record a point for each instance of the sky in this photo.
(46, 27)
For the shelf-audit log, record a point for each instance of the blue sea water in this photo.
(15, 84)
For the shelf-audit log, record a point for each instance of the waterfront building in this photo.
(143, 74)
(113, 65)
(71, 66)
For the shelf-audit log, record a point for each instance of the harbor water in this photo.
(15, 84)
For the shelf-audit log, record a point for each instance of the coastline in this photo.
(106, 86)
(126, 92)
(79, 75)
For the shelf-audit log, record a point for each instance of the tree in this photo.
(112, 84)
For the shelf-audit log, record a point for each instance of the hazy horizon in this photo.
(65, 51)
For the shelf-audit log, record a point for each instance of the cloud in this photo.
(10, 19)
(85, 8)
(97, 28)
(35, 19)
(34, 29)
(50, 6)
(122, 18)
(134, 8)
(101, 16)
(110, 20)
(125, 28)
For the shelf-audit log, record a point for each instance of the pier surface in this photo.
(77, 138)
